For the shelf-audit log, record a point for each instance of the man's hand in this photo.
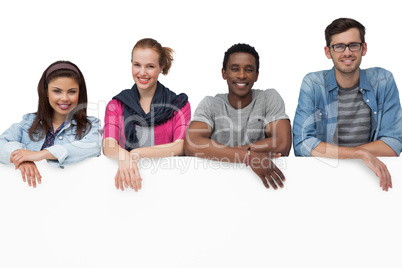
(379, 168)
(366, 152)
(30, 173)
(262, 165)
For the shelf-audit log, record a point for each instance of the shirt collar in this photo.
(364, 83)
(332, 84)
(331, 80)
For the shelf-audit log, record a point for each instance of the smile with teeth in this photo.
(64, 106)
(143, 80)
(347, 61)
(241, 84)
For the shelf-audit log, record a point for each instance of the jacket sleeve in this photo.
(304, 124)
(78, 150)
(390, 129)
(12, 140)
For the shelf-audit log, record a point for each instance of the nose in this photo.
(142, 71)
(347, 51)
(64, 96)
(241, 74)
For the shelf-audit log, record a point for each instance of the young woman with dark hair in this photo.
(60, 131)
(147, 120)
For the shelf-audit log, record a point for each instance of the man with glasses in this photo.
(348, 112)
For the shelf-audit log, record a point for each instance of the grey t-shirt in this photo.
(233, 127)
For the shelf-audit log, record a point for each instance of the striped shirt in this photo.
(354, 120)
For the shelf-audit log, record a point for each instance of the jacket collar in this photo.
(332, 84)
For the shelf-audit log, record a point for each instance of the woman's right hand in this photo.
(128, 174)
(30, 173)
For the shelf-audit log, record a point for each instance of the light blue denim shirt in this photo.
(316, 114)
(67, 149)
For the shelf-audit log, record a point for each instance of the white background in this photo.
(86, 224)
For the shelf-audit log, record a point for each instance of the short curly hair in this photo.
(242, 48)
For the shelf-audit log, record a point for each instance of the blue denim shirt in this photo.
(67, 149)
(316, 114)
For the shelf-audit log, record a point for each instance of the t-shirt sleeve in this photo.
(203, 113)
(275, 106)
(113, 116)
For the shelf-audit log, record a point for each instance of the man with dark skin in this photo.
(244, 126)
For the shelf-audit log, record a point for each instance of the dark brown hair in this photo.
(342, 25)
(165, 53)
(44, 114)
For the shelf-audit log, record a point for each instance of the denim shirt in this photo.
(316, 114)
(67, 149)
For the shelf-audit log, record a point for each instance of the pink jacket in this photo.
(173, 129)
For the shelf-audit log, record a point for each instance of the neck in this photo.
(58, 119)
(239, 102)
(146, 99)
(147, 94)
(347, 80)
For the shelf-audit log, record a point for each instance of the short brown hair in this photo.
(342, 25)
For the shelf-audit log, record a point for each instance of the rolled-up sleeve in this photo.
(73, 150)
(11, 140)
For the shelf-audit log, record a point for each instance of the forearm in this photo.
(210, 149)
(328, 150)
(163, 150)
(279, 139)
(112, 149)
(270, 145)
(45, 154)
(378, 148)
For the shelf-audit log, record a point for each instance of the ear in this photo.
(223, 74)
(327, 52)
(364, 51)
(256, 77)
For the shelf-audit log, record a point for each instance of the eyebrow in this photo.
(354, 42)
(151, 63)
(62, 89)
(247, 66)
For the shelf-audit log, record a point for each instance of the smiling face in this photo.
(347, 62)
(146, 69)
(240, 74)
(63, 95)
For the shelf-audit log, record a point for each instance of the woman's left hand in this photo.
(23, 155)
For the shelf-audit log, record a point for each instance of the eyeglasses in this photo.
(352, 47)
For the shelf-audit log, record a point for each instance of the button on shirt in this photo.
(51, 135)
(316, 114)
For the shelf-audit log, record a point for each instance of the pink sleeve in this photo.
(113, 120)
(181, 120)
